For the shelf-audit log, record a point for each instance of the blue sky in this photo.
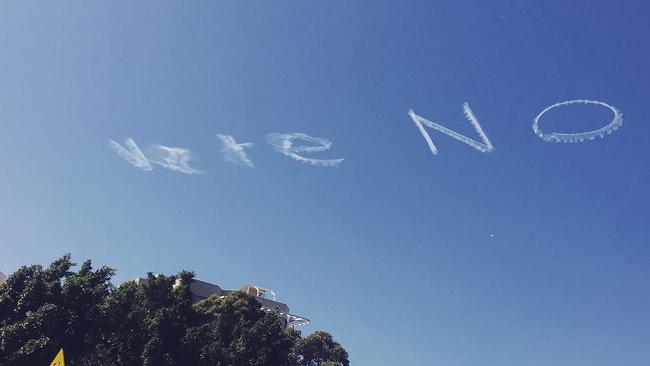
(534, 254)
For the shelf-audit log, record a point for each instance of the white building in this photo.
(202, 290)
(3, 278)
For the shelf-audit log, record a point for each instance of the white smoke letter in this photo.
(617, 121)
(484, 147)
(284, 144)
(132, 154)
(173, 158)
(234, 152)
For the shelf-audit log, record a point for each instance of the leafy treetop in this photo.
(154, 323)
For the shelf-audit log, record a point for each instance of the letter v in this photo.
(132, 154)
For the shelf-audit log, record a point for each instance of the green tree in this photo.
(233, 330)
(149, 323)
(320, 349)
(144, 323)
(44, 309)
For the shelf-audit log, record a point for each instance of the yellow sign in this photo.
(58, 360)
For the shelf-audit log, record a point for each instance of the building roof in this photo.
(267, 299)
(201, 290)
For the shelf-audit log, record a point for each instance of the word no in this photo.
(486, 146)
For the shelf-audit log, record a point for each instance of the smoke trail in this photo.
(283, 143)
(173, 158)
(234, 152)
(132, 154)
(617, 121)
(484, 147)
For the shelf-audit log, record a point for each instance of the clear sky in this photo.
(534, 254)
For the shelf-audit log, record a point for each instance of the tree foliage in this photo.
(151, 323)
(320, 349)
